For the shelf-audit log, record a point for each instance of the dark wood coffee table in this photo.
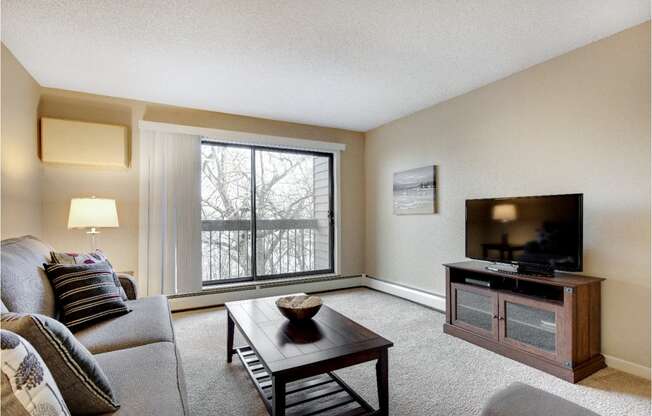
(291, 364)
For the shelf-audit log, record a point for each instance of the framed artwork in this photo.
(415, 191)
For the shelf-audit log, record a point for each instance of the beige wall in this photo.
(577, 123)
(21, 169)
(64, 182)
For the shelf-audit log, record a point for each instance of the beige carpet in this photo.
(431, 373)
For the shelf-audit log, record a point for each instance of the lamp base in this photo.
(94, 235)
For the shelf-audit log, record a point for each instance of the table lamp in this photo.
(92, 213)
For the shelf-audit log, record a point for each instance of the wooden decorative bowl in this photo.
(299, 308)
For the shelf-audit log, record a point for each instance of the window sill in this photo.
(243, 286)
(228, 287)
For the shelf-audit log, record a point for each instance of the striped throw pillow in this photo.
(93, 257)
(83, 385)
(85, 293)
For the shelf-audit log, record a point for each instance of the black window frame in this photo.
(331, 214)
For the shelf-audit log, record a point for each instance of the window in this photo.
(266, 213)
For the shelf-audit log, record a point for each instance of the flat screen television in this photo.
(540, 234)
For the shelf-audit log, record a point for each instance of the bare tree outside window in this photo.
(292, 212)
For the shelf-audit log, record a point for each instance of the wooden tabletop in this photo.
(282, 345)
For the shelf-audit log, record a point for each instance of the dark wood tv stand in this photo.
(550, 323)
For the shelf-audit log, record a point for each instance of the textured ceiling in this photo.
(352, 64)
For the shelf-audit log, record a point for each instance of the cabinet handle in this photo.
(502, 318)
(495, 316)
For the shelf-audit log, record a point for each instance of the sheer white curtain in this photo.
(170, 213)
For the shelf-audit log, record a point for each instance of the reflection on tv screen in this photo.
(544, 230)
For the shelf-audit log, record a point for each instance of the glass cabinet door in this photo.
(532, 325)
(475, 309)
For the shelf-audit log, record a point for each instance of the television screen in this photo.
(543, 231)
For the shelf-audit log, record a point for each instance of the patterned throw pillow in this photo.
(96, 256)
(82, 383)
(85, 293)
(27, 385)
(93, 257)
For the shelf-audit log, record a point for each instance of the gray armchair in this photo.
(519, 399)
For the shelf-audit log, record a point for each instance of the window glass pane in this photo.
(226, 212)
(293, 232)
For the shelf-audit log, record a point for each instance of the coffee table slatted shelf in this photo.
(325, 394)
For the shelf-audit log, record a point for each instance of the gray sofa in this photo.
(519, 399)
(137, 351)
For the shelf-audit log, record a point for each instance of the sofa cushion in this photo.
(519, 399)
(82, 383)
(86, 293)
(148, 322)
(25, 287)
(93, 257)
(96, 256)
(147, 380)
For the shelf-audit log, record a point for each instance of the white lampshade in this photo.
(504, 212)
(92, 212)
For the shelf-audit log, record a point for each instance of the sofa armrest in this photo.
(129, 285)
